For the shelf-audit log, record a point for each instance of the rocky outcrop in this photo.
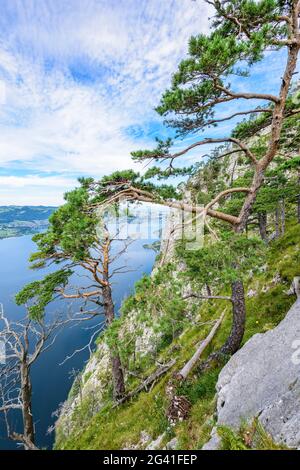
(263, 380)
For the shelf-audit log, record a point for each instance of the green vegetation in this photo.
(121, 427)
(250, 260)
(249, 437)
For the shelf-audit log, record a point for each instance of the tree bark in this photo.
(208, 290)
(235, 338)
(298, 201)
(282, 217)
(117, 370)
(277, 223)
(236, 335)
(109, 308)
(26, 392)
(262, 222)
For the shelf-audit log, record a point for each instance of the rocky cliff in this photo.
(262, 380)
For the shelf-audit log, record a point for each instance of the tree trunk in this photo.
(185, 371)
(276, 128)
(117, 370)
(262, 222)
(277, 223)
(118, 376)
(282, 217)
(236, 335)
(208, 290)
(235, 338)
(250, 199)
(109, 308)
(298, 202)
(26, 401)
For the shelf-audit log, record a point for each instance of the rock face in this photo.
(263, 380)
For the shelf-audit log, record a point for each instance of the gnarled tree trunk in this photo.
(235, 338)
(282, 217)
(276, 127)
(26, 402)
(236, 335)
(262, 223)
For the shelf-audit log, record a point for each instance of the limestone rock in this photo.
(156, 444)
(263, 379)
(172, 444)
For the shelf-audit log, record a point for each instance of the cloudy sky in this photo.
(78, 83)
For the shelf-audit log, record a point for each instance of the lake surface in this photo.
(51, 382)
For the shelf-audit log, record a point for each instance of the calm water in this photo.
(51, 382)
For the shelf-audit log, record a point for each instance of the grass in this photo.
(249, 437)
(121, 427)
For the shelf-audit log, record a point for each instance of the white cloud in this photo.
(36, 181)
(34, 189)
(52, 122)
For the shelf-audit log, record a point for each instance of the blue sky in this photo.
(78, 83)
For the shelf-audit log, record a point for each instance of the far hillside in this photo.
(16, 221)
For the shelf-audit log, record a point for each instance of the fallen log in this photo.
(179, 407)
(182, 375)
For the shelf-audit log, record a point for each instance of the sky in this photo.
(79, 80)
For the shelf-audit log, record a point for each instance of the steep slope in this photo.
(148, 339)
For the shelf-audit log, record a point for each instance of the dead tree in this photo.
(22, 343)
(97, 266)
(188, 367)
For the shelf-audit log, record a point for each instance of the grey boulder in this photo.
(263, 380)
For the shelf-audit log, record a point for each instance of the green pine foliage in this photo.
(38, 294)
(224, 261)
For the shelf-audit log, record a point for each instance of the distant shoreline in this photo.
(17, 221)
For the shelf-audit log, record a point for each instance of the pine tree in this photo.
(76, 239)
(243, 30)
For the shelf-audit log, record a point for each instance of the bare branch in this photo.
(224, 193)
(240, 113)
(207, 297)
(248, 96)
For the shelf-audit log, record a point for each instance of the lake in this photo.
(50, 381)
